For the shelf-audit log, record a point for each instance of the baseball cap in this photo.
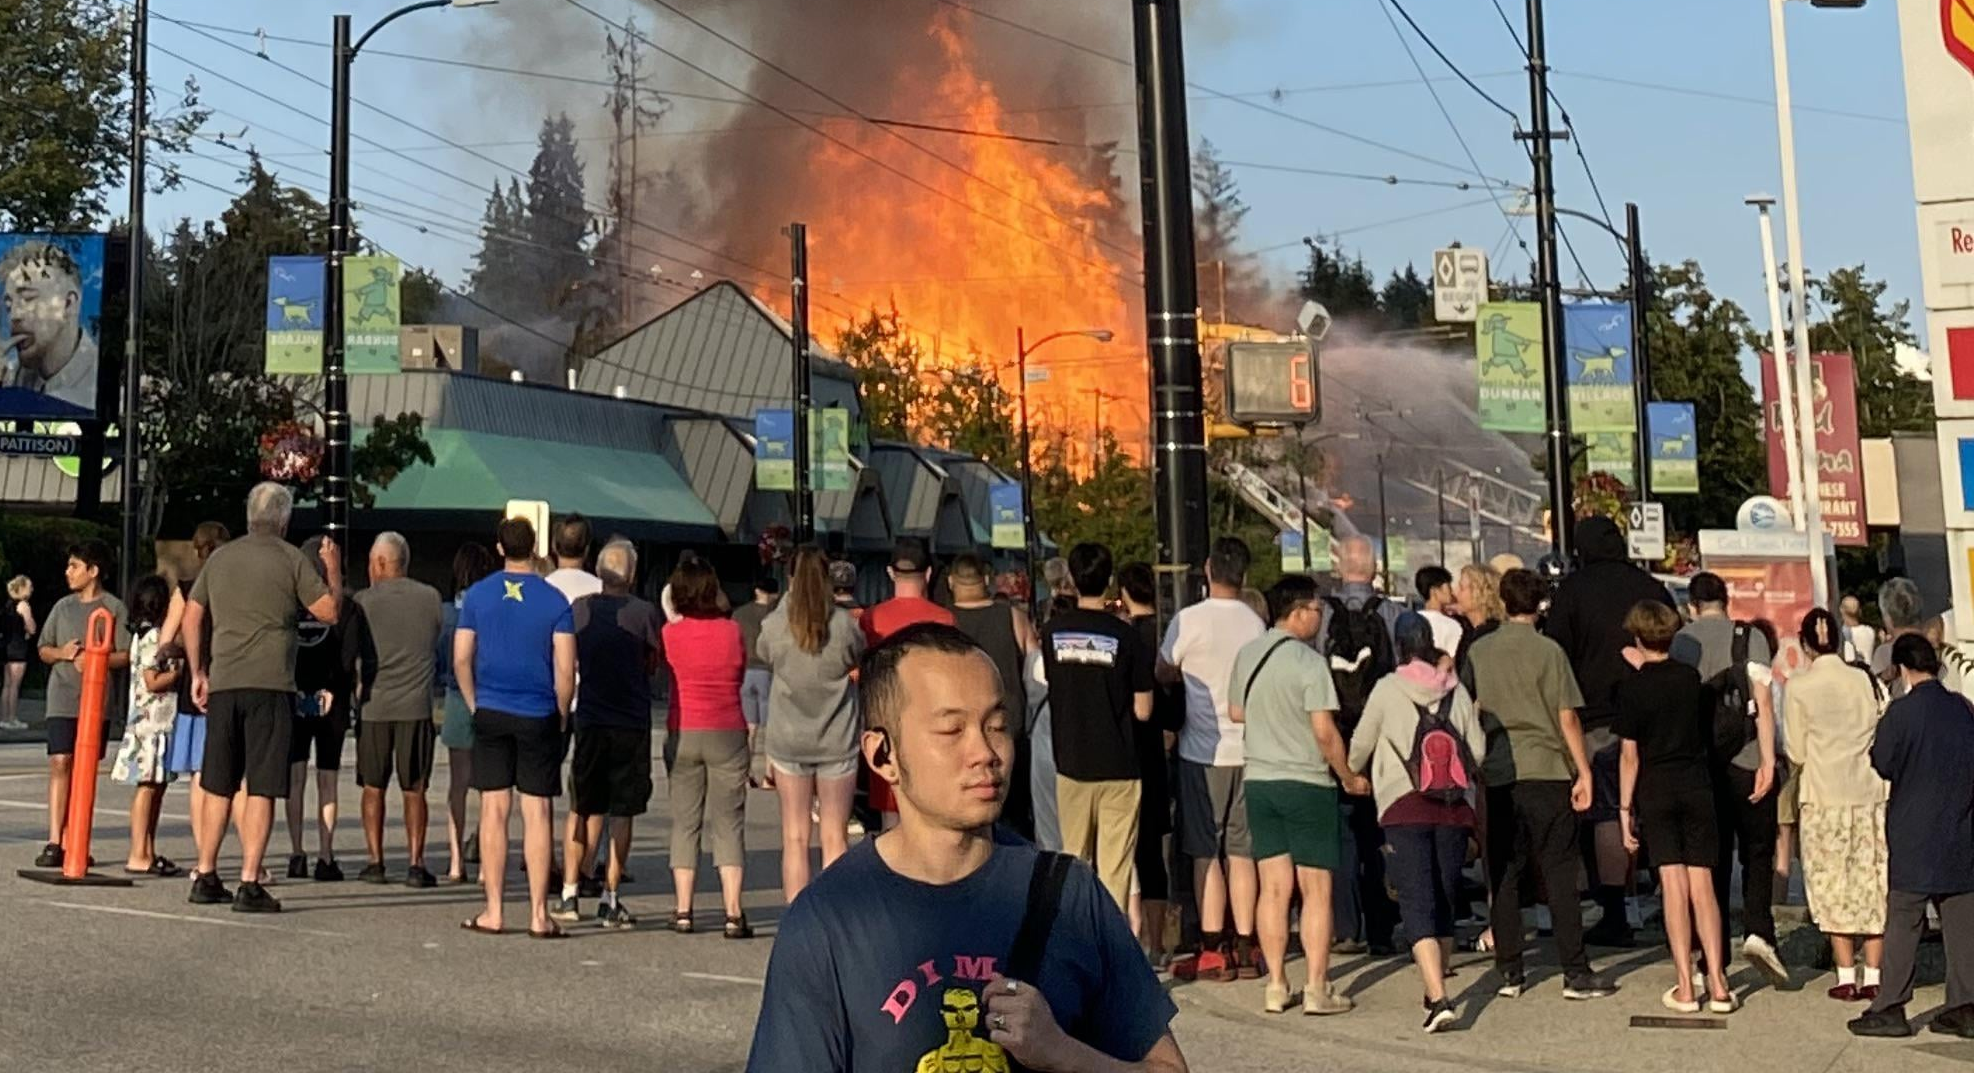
(842, 575)
(909, 556)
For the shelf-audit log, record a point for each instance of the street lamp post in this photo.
(335, 375)
(1022, 350)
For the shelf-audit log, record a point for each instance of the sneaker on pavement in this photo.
(418, 878)
(1214, 966)
(1439, 1016)
(208, 890)
(617, 918)
(1513, 985)
(1958, 1021)
(1326, 1004)
(330, 872)
(374, 873)
(1843, 992)
(1349, 947)
(1585, 988)
(565, 910)
(1760, 953)
(1883, 1024)
(254, 898)
(49, 857)
(298, 866)
(1275, 999)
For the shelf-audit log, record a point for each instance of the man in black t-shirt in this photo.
(1135, 582)
(1100, 687)
(1666, 798)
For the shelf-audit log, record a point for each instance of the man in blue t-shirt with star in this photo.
(938, 945)
(515, 658)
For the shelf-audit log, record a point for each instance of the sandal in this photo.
(163, 867)
(478, 928)
(552, 933)
(738, 928)
(682, 922)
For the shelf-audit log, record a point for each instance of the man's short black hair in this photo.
(517, 539)
(572, 537)
(1090, 567)
(877, 675)
(1229, 560)
(1138, 583)
(1285, 595)
(767, 582)
(1706, 587)
(1522, 592)
(92, 553)
(1913, 652)
(1429, 578)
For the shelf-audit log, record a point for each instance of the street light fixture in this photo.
(1022, 350)
(335, 375)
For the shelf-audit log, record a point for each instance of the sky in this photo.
(1670, 101)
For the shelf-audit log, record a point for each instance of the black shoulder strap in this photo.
(1249, 688)
(1039, 918)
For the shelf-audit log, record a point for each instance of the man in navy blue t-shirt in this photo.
(904, 955)
(514, 655)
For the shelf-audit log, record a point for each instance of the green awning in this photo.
(479, 472)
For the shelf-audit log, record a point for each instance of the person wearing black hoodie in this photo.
(1586, 618)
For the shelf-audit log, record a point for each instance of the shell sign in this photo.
(1957, 30)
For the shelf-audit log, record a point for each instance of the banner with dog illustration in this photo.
(1597, 349)
(294, 316)
(1839, 459)
(371, 309)
(1508, 345)
(1674, 446)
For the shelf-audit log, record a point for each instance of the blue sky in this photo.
(1688, 158)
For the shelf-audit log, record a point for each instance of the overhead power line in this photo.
(1450, 65)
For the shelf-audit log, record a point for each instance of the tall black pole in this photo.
(798, 330)
(1555, 375)
(335, 377)
(1641, 363)
(1028, 541)
(1302, 501)
(1171, 303)
(133, 336)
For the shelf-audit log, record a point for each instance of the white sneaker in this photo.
(1762, 956)
(12, 724)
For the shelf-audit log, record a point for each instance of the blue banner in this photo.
(294, 315)
(1597, 348)
(1004, 501)
(1674, 447)
(774, 450)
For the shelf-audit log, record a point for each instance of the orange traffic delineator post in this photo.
(98, 642)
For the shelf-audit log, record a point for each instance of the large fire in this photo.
(1014, 238)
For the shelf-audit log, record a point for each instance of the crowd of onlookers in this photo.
(1395, 767)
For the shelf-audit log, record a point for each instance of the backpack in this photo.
(1441, 766)
(1734, 701)
(1360, 652)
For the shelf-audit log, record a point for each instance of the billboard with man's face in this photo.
(51, 299)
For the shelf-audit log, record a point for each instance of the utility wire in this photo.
(1569, 127)
(1450, 65)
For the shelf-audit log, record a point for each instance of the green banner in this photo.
(829, 449)
(371, 314)
(1395, 557)
(1508, 348)
(1611, 452)
(1319, 551)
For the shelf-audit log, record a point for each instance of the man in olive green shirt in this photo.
(1538, 780)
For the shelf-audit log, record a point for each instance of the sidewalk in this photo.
(32, 713)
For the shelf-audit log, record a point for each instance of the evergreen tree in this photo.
(1231, 283)
(494, 278)
(1340, 281)
(558, 222)
(1407, 299)
(890, 368)
(1889, 399)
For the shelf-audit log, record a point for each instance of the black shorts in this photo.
(513, 752)
(611, 774)
(323, 735)
(247, 735)
(404, 746)
(61, 735)
(1676, 822)
(1604, 797)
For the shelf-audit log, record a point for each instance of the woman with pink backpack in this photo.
(1418, 742)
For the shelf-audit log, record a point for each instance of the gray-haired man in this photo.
(397, 732)
(255, 589)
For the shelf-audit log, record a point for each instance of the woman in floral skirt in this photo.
(140, 762)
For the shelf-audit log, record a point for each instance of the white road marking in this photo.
(42, 806)
(217, 921)
(717, 978)
(25, 775)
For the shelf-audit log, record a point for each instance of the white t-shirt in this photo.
(1202, 641)
(575, 584)
(1446, 631)
(1864, 642)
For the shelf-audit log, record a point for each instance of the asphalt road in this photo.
(359, 977)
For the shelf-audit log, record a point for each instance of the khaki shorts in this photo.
(841, 769)
(1788, 800)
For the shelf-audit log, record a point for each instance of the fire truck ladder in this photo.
(1280, 509)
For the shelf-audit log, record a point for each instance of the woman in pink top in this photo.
(708, 780)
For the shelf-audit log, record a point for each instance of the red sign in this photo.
(1772, 591)
(1960, 361)
(1840, 462)
(1957, 30)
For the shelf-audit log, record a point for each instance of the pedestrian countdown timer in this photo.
(1273, 384)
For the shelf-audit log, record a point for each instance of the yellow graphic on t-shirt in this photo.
(513, 591)
(963, 1052)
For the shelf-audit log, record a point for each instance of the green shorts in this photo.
(1299, 819)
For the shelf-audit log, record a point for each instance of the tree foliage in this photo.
(1695, 340)
(890, 367)
(1856, 320)
(558, 221)
(1340, 281)
(1232, 286)
(1407, 300)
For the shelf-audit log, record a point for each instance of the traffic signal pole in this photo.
(1548, 289)
(1171, 305)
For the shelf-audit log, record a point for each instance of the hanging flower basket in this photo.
(290, 452)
